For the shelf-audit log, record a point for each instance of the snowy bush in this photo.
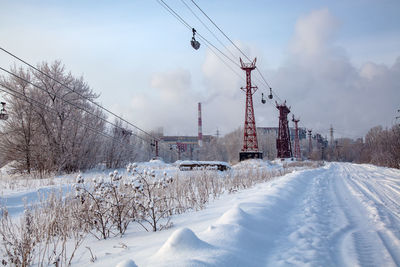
(105, 206)
(18, 239)
(151, 201)
(41, 234)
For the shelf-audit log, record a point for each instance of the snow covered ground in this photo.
(337, 215)
(16, 192)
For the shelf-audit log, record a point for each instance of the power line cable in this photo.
(29, 100)
(78, 107)
(64, 100)
(79, 94)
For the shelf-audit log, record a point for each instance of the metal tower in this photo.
(250, 144)
(296, 138)
(283, 144)
(331, 133)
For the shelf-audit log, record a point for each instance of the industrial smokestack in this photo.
(200, 137)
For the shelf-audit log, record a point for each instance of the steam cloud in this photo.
(317, 78)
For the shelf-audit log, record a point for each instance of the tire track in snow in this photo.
(331, 226)
(385, 223)
(331, 216)
(309, 236)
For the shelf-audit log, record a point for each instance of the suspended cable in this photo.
(64, 100)
(76, 106)
(79, 94)
(29, 100)
(208, 29)
(176, 15)
(230, 40)
(221, 31)
(207, 43)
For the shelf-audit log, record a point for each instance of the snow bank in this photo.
(182, 239)
(254, 164)
(234, 216)
(126, 263)
(185, 246)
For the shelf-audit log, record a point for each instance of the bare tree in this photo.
(52, 125)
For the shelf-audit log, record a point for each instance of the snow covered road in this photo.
(338, 215)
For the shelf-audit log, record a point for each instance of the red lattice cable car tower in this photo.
(297, 154)
(250, 144)
(283, 144)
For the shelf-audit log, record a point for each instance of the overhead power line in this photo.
(79, 94)
(76, 106)
(64, 100)
(31, 101)
(84, 97)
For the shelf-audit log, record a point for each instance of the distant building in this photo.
(274, 131)
(185, 143)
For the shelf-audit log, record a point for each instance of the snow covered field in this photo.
(337, 215)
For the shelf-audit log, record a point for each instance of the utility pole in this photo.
(154, 143)
(331, 133)
(199, 124)
(309, 143)
(297, 153)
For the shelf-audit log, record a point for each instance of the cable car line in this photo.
(208, 29)
(221, 31)
(180, 19)
(207, 43)
(271, 92)
(230, 40)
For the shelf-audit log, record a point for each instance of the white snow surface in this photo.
(338, 215)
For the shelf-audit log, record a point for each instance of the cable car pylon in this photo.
(250, 144)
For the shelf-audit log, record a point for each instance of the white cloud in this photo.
(171, 103)
(318, 79)
(323, 86)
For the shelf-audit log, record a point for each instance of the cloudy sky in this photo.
(335, 62)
